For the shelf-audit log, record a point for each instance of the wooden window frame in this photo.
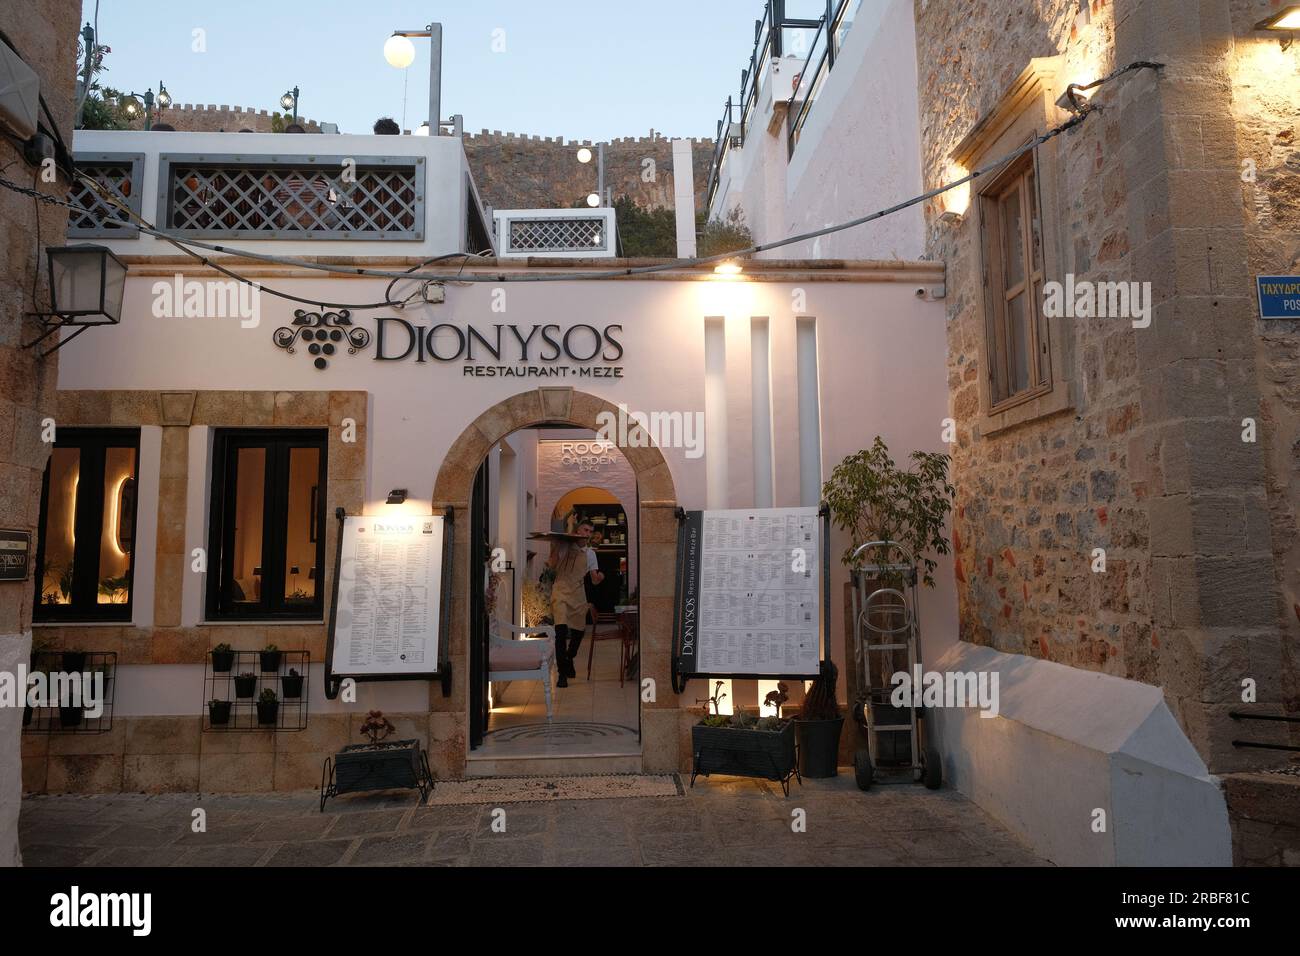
(1026, 110)
(88, 529)
(278, 443)
(994, 231)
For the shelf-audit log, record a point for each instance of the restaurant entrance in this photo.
(554, 539)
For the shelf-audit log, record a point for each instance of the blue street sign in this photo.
(1279, 297)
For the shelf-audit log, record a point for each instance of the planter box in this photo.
(398, 764)
(245, 686)
(744, 753)
(219, 713)
(291, 686)
(268, 713)
(271, 660)
(222, 661)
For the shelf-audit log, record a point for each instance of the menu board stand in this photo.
(686, 610)
(333, 680)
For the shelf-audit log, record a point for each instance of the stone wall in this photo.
(210, 118)
(532, 172)
(44, 33)
(1148, 462)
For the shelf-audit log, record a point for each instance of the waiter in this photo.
(574, 564)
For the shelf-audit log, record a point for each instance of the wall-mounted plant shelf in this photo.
(71, 718)
(238, 685)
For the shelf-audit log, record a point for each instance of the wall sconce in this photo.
(396, 497)
(87, 283)
(956, 201)
(1076, 96)
(1285, 22)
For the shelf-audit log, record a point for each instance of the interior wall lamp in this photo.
(396, 497)
(1285, 23)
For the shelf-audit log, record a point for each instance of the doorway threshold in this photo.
(559, 747)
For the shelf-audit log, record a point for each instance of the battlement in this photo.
(497, 137)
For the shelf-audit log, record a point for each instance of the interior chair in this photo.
(606, 628)
(526, 655)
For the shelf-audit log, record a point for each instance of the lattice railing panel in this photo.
(380, 202)
(94, 210)
(569, 234)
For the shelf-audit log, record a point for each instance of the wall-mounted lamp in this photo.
(728, 267)
(1286, 23)
(396, 497)
(1076, 96)
(86, 287)
(956, 201)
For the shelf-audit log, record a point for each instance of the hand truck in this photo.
(886, 637)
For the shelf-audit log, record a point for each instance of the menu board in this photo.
(750, 592)
(389, 596)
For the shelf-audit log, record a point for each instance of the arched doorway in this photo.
(454, 493)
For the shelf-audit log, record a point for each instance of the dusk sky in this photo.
(584, 69)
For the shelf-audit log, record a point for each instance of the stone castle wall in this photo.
(515, 171)
(511, 170)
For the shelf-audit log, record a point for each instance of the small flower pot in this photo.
(222, 661)
(291, 686)
(819, 746)
(245, 686)
(74, 661)
(70, 716)
(219, 712)
(268, 713)
(271, 660)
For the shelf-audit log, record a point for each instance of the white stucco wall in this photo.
(880, 350)
(1092, 770)
(859, 149)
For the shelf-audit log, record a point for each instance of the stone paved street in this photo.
(722, 821)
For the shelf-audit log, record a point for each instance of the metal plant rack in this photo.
(69, 720)
(390, 765)
(292, 712)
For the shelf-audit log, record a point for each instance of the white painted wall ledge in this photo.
(1068, 742)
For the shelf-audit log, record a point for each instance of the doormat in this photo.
(542, 789)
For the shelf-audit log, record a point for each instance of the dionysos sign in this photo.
(545, 350)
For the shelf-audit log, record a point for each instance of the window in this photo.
(1019, 359)
(266, 546)
(85, 553)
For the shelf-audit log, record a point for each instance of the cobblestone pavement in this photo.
(722, 821)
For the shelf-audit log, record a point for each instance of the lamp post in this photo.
(132, 105)
(400, 53)
(290, 101)
(598, 198)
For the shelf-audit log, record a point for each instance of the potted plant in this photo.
(819, 725)
(377, 764)
(218, 712)
(71, 716)
(268, 707)
(223, 659)
(74, 661)
(873, 499)
(271, 658)
(742, 745)
(245, 684)
(291, 683)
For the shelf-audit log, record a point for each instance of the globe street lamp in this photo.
(290, 102)
(400, 53)
(133, 107)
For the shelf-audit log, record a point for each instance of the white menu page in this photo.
(390, 587)
(760, 592)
